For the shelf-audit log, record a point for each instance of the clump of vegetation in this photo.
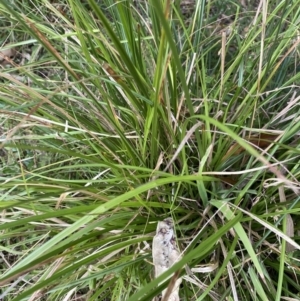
(119, 114)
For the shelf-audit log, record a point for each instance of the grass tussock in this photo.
(117, 114)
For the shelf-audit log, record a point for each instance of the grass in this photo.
(115, 115)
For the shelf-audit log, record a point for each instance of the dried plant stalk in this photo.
(165, 253)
